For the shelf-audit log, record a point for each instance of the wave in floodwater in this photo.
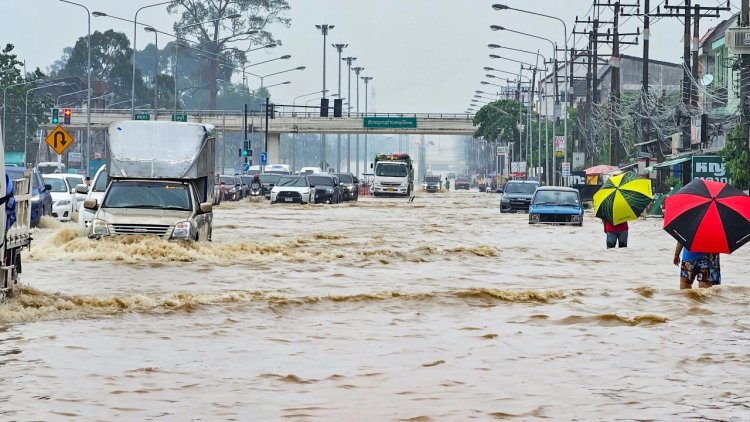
(30, 304)
(69, 244)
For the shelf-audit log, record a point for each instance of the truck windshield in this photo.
(137, 194)
(556, 197)
(527, 188)
(391, 170)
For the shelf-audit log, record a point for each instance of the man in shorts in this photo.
(704, 267)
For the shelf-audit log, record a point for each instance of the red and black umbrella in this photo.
(707, 216)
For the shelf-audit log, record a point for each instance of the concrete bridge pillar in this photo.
(274, 148)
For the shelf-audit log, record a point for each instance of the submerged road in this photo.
(438, 309)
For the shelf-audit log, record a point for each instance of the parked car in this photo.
(461, 182)
(63, 202)
(293, 189)
(451, 175)
(230, 187)
(433, 184)
(47, 167)
(41, 201)
(350, 185)
(268, 181)
(95, 191)
(75, 180)
(516, 195)
(309, 170)
(327, 189)
(556, 205)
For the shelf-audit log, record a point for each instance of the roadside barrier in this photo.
(364, 190)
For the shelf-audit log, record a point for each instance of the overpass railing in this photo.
(166, 114)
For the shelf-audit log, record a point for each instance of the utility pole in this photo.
(324, 30)
(614, 91)
(688, 12)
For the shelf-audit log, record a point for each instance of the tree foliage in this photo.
(498, 120)
(736, 157)
(15, 101)
(220, 37)
(110, 62)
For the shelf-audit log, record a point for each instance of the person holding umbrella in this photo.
(706, 218)
(621, 198)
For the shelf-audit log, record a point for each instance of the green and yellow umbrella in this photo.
(622, 198)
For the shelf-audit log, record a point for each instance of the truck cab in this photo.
(161, 181)
(393, 175)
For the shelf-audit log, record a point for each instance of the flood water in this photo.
(383, 310)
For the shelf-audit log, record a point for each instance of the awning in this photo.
(668, 163)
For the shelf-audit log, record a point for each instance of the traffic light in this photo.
(245, 151)
(337, 106)
(324, 107)
(55, 116)
(66, 115)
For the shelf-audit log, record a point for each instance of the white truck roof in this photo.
(146, 149)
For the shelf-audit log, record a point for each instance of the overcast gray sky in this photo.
(424, 55)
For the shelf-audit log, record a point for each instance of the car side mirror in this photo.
(312, 186)
(82, 189)
(90, 204)
(355, 181)
(47, 186)
(206, 207)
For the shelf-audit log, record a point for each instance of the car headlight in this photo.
(534, 217)
(181, 230)
(505, 200)
(306, 192)
(63, 202)
(232, 190)
(575, 218)
(35, 198)
(99, 228)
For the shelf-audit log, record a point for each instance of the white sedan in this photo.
(62, 199)
(293, 189)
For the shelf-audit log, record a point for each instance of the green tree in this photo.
(15, 101)
(498, 119)
(216, 36)
(736, 157)
(110, 62)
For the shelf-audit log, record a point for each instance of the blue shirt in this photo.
(691, 256)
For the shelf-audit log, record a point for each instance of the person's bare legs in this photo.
(705, 284)
(686, 283)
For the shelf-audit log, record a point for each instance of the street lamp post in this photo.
(324, 30)
(88, 86)
(263, 77)
(349, 61)
(339, 48)
(357, 70)
(567, 83)
(135, 33)
(156, 69)
(557, 100)
(367, 80)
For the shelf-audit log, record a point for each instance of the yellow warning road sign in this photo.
(59, 140)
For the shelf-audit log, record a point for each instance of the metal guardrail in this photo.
(279, 113)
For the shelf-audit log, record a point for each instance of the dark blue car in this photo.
(556, 205)
(41, 203)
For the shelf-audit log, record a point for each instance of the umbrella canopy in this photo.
(622, 198)
(601, 169)
(707, 216)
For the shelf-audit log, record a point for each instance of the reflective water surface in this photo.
(437, 309)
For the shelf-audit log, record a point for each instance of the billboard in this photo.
(710, 167)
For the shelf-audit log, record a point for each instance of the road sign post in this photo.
(263, 158)
(59, 140)
(179, 117)
(142, 116)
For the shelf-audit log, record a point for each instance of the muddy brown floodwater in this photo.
(438, 309)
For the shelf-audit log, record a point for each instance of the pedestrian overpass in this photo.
(291, 122)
